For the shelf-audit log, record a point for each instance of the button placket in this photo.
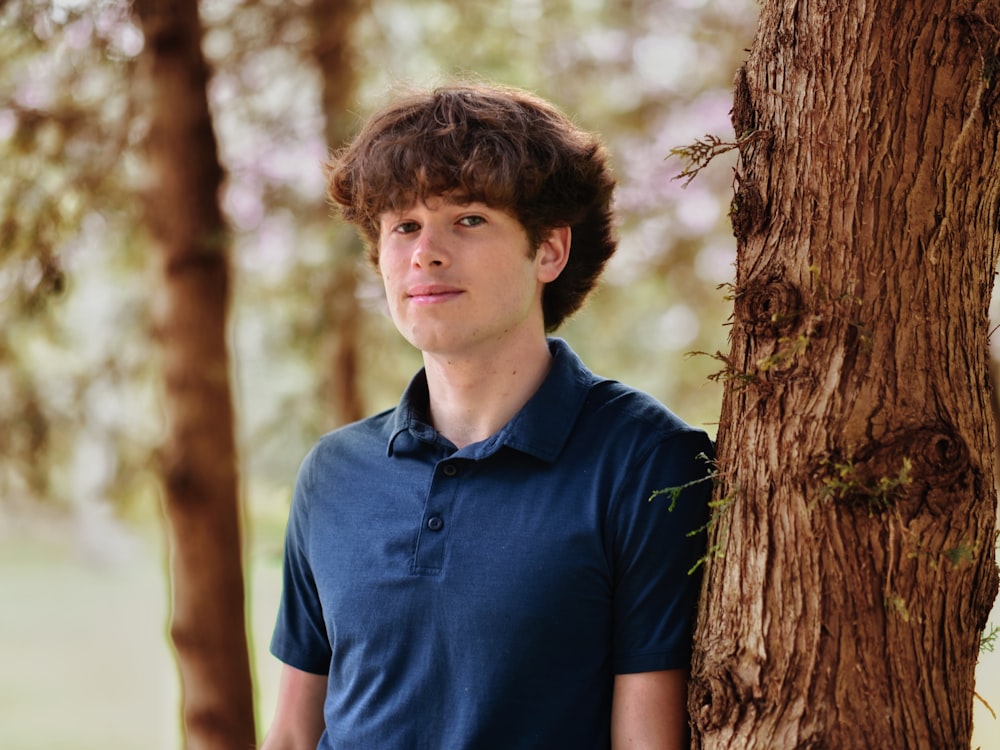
(435, 522)
(431, 541)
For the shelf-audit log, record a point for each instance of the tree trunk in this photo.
(333, 21)
(199, 457)
(852, 568)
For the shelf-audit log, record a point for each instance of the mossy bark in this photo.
(855, 566)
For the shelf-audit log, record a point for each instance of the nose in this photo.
(429, 250)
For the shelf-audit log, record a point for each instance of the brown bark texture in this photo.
(333, 21)
(851, 564)
(198, 459)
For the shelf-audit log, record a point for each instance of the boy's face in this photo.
(462, 279)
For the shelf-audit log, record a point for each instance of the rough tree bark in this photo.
(852, 568)
(198, 459)
(333, 21)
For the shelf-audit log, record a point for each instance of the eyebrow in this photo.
(445, 199)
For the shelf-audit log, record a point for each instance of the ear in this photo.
(553, 254)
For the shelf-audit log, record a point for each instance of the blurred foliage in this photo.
(73, 355)
(78, 388)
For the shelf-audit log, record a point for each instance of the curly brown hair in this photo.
(491, 144)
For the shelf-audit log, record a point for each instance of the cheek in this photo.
(387, 282)
(383, 269)
(389, 263)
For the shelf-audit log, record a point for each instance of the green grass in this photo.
(84, 660)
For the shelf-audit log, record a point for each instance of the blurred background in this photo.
(84, 657)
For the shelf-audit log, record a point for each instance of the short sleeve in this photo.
(658, 541)
(300, 638)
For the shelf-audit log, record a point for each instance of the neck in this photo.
(472, 398)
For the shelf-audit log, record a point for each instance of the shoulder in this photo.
(362, 435)
(619, 409)
(605, 411)
(626, 439)
(358, 444)
(599, 422)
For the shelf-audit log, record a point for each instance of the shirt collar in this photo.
(541, 428)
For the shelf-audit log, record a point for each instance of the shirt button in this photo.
(435, 523)
(449, 470)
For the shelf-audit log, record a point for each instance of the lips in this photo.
(432, 293)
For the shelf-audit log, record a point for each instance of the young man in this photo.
(482, 567)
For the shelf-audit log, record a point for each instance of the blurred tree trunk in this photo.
(333, 21)
(856, 528)
(199, 463)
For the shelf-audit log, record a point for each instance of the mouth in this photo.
(432, 294)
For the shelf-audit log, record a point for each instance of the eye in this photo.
(406, 227)
(473, 220)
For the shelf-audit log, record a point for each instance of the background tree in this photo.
(198, 460)
(855, 535)
(335, 59)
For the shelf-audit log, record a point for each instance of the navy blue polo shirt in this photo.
(486, 597)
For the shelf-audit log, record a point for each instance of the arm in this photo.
(298, 718)
(649, 711)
